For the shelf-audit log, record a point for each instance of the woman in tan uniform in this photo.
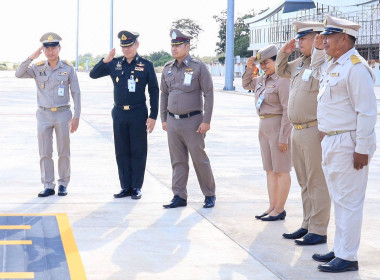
(271, 101)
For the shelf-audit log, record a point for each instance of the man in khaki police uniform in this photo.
(186, 119)
(347, 114)
(306, 143)
(55, 79)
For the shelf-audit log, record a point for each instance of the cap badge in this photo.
(174, 35)
(325, 22)
(258, 56)
(50, 38)
(295, 28)
(123, 37)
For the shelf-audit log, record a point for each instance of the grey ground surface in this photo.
(126, 239)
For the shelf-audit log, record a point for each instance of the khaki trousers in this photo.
(47, 121)
(307, 158)
(183, 139)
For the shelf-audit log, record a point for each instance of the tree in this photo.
(159, 58)
(190, 27)
(241, 34)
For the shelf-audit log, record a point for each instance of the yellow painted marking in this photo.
(74, 261)
(15, 242)
(15, 227)
(16, 275)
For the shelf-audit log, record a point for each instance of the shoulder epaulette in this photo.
(171, 62)
(355, 59)
(67, 62)
(39, 63)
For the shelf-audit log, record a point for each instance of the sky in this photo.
(23, 22)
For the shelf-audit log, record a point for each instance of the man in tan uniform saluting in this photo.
(55, 79)
(306, 143)
(186, 119)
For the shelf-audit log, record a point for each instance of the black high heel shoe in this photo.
(262, 215)
(280, 216)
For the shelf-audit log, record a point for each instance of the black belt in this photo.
(184, 116)
(129, 107)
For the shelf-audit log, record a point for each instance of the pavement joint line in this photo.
(219, 229)
(234, 241)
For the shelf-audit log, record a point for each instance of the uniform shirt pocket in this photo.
(42, 81)
(169, 80)
(271, 96)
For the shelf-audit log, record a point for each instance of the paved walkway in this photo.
(128, 240)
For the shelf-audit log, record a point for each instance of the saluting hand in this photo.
(203, 128)
(360, 160)
(110, 56)
(250, 62)
(74, 123)
(289, 47)
(283, 147)
(150, 125)
(318, 42)
(36, 53)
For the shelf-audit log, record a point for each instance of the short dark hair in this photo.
(352, 39)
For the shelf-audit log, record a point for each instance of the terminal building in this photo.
(275, 25)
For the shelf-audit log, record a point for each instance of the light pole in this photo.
(230, 47)
(77, 55)
(111, 27)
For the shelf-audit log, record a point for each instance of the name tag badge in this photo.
(61, 90)
(306, 75)
(131, 85)
(187, 81)
(260, 101)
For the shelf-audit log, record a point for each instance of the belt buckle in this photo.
(176, 117)
(126, 107)
(54, 109)
(298, 126)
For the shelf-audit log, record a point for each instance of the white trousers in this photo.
(347, 188)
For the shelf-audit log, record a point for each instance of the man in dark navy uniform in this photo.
(130, 75)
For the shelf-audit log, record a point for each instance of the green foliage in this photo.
(188, 26)
(91, 60)
(241, 34)
(159, 58)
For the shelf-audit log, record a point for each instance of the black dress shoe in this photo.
(324, 257)
(262, 215)
(339, 265)
(136, 193)
(46, 192)
(280, 216)
(176, 202)
(123, 193)
(209, 202)
(312, 239)
(62, 190)
(299, 233)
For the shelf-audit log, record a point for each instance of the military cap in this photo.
(339, 25)
(127, 38)
(265, 53)
(306, 27)
(179, 37)
(50, 39)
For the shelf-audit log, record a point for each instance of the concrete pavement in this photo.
(126, 239)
